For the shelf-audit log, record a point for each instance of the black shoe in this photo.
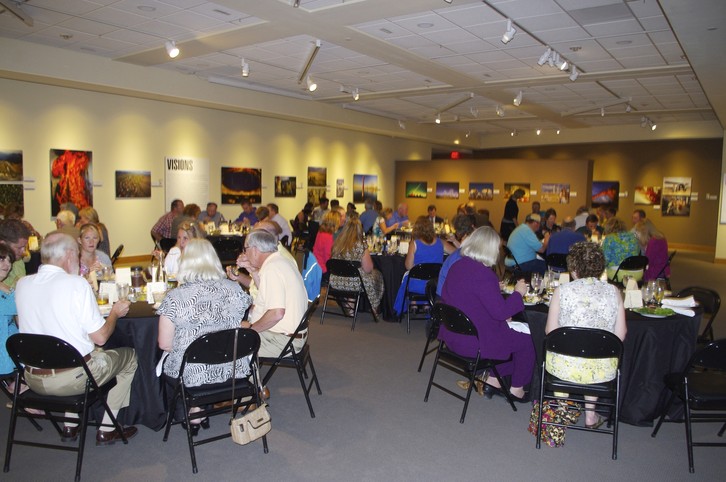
(110, 438)
(194, 430)
(489, 391)
(70, 434)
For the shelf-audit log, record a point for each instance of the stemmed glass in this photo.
(536, 282)
(659, 292)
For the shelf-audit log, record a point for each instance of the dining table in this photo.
(139, 329)
(392, 267)
(653, 347)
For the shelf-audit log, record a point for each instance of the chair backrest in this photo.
(343, 268)
(709, 299)
(218, 347)
(313, 227)
(661, 273)
(167, 243)
(305, 322)
(116, 254)
(633, 263)
(453, 319)
(557, 261)
(42, 351)
(584, 343)
(508, 254)
(425, 271)
(431, 286)
(711, 356)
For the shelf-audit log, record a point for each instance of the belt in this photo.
(52, 371)
(299, 335)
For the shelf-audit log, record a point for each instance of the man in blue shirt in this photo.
(368, 217)
(561, 241)
(525, 246)
(399, 216)
(247, 216)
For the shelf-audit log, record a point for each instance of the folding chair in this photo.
(702, 388)
(710, 301)
(46, 352)
(557, 262)
(345, 269)
(434, 328)
(5, 381)
(425, 272)
(661, 273)
(216, 349)
(508, 254)
(588, 343)
(631, 263)
(116, 254)
(457, 322)
(288, 358)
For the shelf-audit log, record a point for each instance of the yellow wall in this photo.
(126, 133)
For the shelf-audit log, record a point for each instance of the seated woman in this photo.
(590, 303)
(92, 259)
(425, 247)
(653, 244)
(618, 244)
(350, 246)
(300, 223)
(472, 286)
(187, 231)
(90, 215)
(7, 311)
(380, 228)
(205, 302)
(324, 240)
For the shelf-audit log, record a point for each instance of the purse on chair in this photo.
(255, 423)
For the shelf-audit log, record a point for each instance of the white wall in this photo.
(126, 133)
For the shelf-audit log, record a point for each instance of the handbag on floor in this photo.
(255, 423)
(560, 411)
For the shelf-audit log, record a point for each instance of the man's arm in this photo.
(266, 321)
(119, 310)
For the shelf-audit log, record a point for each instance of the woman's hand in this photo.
(521, 287)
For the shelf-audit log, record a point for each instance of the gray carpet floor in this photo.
(373, 425)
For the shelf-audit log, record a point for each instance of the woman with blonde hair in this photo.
(350, 246)
(653, 244)
(92, 259)
(379, 228)
(90, 215)
(187, 231)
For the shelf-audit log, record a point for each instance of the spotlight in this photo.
(245, 69)
(653, 125)
(438, 119)
(574, 74)
(557, 132)
(468, 133)
(648, 122)
(295, 3)
(514, 133)
(628, 109)
(543, 59)
(602, 111)
(554, 57)
(474, 112)
(356, 95)
(509, 33)
(563, 64)
(500, 111)
(402, 125)
(448, 1)
(643, 121)
(518, 100)
(172, 49)
(539, 131)
(311, 84)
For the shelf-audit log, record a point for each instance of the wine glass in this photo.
(659, 292)
(536, 282)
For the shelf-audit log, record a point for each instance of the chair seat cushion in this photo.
(706, 390)
(220, 391)
(557, 384)
(71, 403)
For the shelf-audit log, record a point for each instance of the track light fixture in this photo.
(563, 65)
(309, 63)
(448, 1)
(574, 74)
(653, 125)
(545, 56)
(539, 131)
(474, 112)
(628, 109)
(518, 100)
(602, 111)
(647, 122)
(401, 125)
(295, 3)
(514, 133)
(557, 132)
(509, 33)
(500, 111)
(245, 69)
(356, 95)
(438, 118)
(311, 84)
(468, 133)
(171, 49)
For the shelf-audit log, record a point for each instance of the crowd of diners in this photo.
(267, 283)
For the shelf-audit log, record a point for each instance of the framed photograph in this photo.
(672, 205)
(71, 178)
(12, 193)
(417, 189)
(11, 166)
(317, 176)
(133, 184)
(241, 182)
(555, 193)
(285, 186)
(510, 187)
(647, 195)
(447, 190)
(339, 188)
(605, 194)
(676, 186)
(314, 194)
(365, 186)
(481, 191)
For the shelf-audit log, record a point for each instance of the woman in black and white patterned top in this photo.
(205, 302)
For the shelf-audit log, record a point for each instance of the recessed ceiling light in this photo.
(66, 36)
(425, 25)
(146, 8)
(624, 42)
(576, 48)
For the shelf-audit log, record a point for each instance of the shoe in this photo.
(478, 384)
(110, 438)
(490, 391)
(69, 434)
(265, 393)
(597, 424)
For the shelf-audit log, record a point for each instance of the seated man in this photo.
(14, 234)
(281, 299)
(591, 227)
(248, 216)
(561, 241)
(400, 216)
(525, 246)
(69, 311)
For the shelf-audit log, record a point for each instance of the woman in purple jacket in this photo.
(473, 287)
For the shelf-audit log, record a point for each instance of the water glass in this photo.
(123, 291)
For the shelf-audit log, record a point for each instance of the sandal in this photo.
(478, 384)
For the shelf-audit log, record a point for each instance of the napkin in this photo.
(519, 326)
(632, 285)
(403, 247)
(564, 278)
(633, 298)
(123, 275)
(155, 287)
(110, 288)
(224, 228)
(688, 302)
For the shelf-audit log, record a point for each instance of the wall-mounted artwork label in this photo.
(241, 182)
(285, 186)
(647, 195)
(11, 166)
(417, 189)
(481, 191)
(186, 178)
(676, 198)
(447, 190)
(317, 176)
(511, 187)
(71, 178)
(365, 186)
(605, 194)
(555, 193)
(133, 184)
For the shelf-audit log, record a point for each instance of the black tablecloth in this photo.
(393, 268)
(139, 329)
(652, 349)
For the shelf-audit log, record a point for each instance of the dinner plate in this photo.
(649, 315)
(531, 303)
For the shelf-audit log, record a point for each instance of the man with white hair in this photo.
(69, 311)
(65, 222)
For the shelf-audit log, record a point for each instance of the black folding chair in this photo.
(557, 262)
(434, 328)
(710, 301)
(345, 269)
(116, 254)
(425, 272)
(49, 352)
(587, 343)
(5, 381)
(289, 358)
(167, 243)
(216, 348)
(631, 263)
(457, 322)
(508, 254)
(662, 272)
(702, 388)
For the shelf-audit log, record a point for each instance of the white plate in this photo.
(649, 315)
(531, 303)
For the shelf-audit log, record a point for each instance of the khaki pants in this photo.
(104, 365)
(272, 344)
